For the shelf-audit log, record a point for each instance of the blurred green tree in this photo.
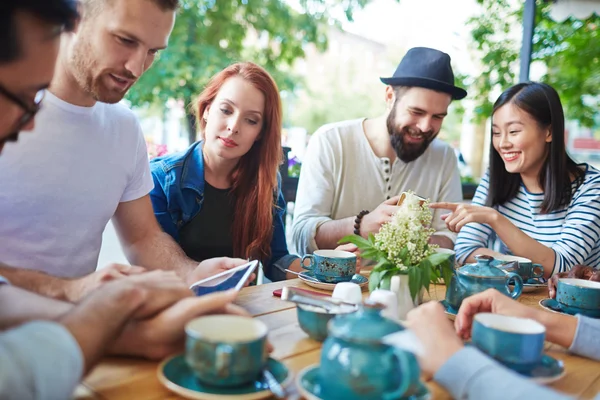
(210, 35)
(569, 51)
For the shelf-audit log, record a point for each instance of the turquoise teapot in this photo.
(356, 365)
(474, 278)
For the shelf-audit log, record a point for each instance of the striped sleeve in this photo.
(474, 236)
(581, 229)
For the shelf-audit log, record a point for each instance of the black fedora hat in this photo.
(426, 68)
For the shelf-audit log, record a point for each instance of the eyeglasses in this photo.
(29, 110)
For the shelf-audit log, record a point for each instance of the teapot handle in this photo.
(518, 285)
(409, 369)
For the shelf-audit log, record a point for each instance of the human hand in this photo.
(462, 214)
(577, 272)
(349, 247)
(164, 334)
(492, 301)
(213, 266)
(371, 223)
(76, 289)
(436, 334)
(164, 288)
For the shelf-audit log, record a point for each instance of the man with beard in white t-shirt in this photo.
(86, 162)
(353, 171)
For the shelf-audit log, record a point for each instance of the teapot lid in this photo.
(367, 324)
(482, 268)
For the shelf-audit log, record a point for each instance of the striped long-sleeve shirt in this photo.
(572, 232)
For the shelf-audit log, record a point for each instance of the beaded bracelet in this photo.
(358, 220)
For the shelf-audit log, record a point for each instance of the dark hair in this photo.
(540, 101)
(62, 13)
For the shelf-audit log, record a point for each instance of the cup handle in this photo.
(409, 368)
(310, 257)
(223, 359)
(518, 285)
(538, 267)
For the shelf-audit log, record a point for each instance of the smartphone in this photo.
(230, 279)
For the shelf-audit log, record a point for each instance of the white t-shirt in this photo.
(61, 184)
(341, 176)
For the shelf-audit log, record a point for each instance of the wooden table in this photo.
(123, 378)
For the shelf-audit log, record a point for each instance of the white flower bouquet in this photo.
(402, 248)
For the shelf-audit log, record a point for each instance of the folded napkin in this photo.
(405, 340)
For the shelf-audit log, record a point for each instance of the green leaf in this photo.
(371, 238)
(374, 279)
(414, 281)
(447, 273)
(383, 265)
(386, 280)
(370, 254)
(426, 271)
(356, 240)
(403, 255)
(438, 258)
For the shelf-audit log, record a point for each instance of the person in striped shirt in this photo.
(534, 201)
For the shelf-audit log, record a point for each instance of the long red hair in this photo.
(255, 176)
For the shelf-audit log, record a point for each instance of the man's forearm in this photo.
(160, 251)
(329, 234)
(37, 282)
(560, 329)
(20, 306)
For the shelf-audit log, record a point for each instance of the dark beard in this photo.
(83, 66)
(406, 152)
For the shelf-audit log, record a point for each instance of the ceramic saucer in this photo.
(308, 278)
(448, 309)
(547, 371)
(310, 388)
(175, 374)
(555, 306)
(533, 285)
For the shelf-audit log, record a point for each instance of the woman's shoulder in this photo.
(589, 182)
(176, 160)
(591, 175)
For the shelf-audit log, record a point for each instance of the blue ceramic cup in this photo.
(578, 293)
(527, 269)
(226, 350)
(331, 266)
(313, 320)
(518, 343)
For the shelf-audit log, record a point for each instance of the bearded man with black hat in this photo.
(354, 171)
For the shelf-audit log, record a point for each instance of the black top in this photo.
(208, 234)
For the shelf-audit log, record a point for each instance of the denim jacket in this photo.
(178, 195)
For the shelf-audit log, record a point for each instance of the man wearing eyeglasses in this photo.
(20, 98)
(88, 161)
(47, 345)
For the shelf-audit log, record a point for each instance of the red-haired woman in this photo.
(220, 197)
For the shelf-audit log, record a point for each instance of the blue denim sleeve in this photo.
(587, 338)
(280, 256)
(160, 201)
(39, 360)
(469, 374)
